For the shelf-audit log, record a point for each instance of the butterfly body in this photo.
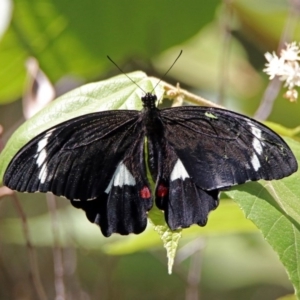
(100, 160)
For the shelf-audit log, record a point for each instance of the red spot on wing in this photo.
(145, 193)
(162, 191)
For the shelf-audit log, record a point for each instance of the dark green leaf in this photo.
(75, 37)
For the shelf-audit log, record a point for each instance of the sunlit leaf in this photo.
(289, 132)
(6, 7)
(115, 93)
(274, 208)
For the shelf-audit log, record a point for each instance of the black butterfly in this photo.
(99, 162)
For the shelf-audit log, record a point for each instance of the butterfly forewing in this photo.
(65, 158)
(220, 148)
(96, 161)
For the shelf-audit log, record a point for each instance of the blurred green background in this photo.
(223, 45)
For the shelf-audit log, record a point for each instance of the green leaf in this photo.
(5, 15)
(115, 93)
(170, 238)
(282, 130)
(274, 208)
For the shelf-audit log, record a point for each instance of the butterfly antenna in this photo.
(125, 74)
(167, 70)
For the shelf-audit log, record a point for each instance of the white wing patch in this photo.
(88, 199)
(257, 145)
(41, 152)
(41, 156)
(121, 177)
(179, 171)
(255, 162)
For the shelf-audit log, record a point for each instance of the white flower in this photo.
(287, 67)
(291, 74)
(291, 53)
(274, 65)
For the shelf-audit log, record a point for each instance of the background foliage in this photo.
(223, 44)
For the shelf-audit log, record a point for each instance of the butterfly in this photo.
(100, 162)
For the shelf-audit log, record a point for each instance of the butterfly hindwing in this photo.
(128, 195)
(220, 148)
(123, 205)
(183, 202)
(188, 203)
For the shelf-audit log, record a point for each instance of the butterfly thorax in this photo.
(149, 101)
(150, 115)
